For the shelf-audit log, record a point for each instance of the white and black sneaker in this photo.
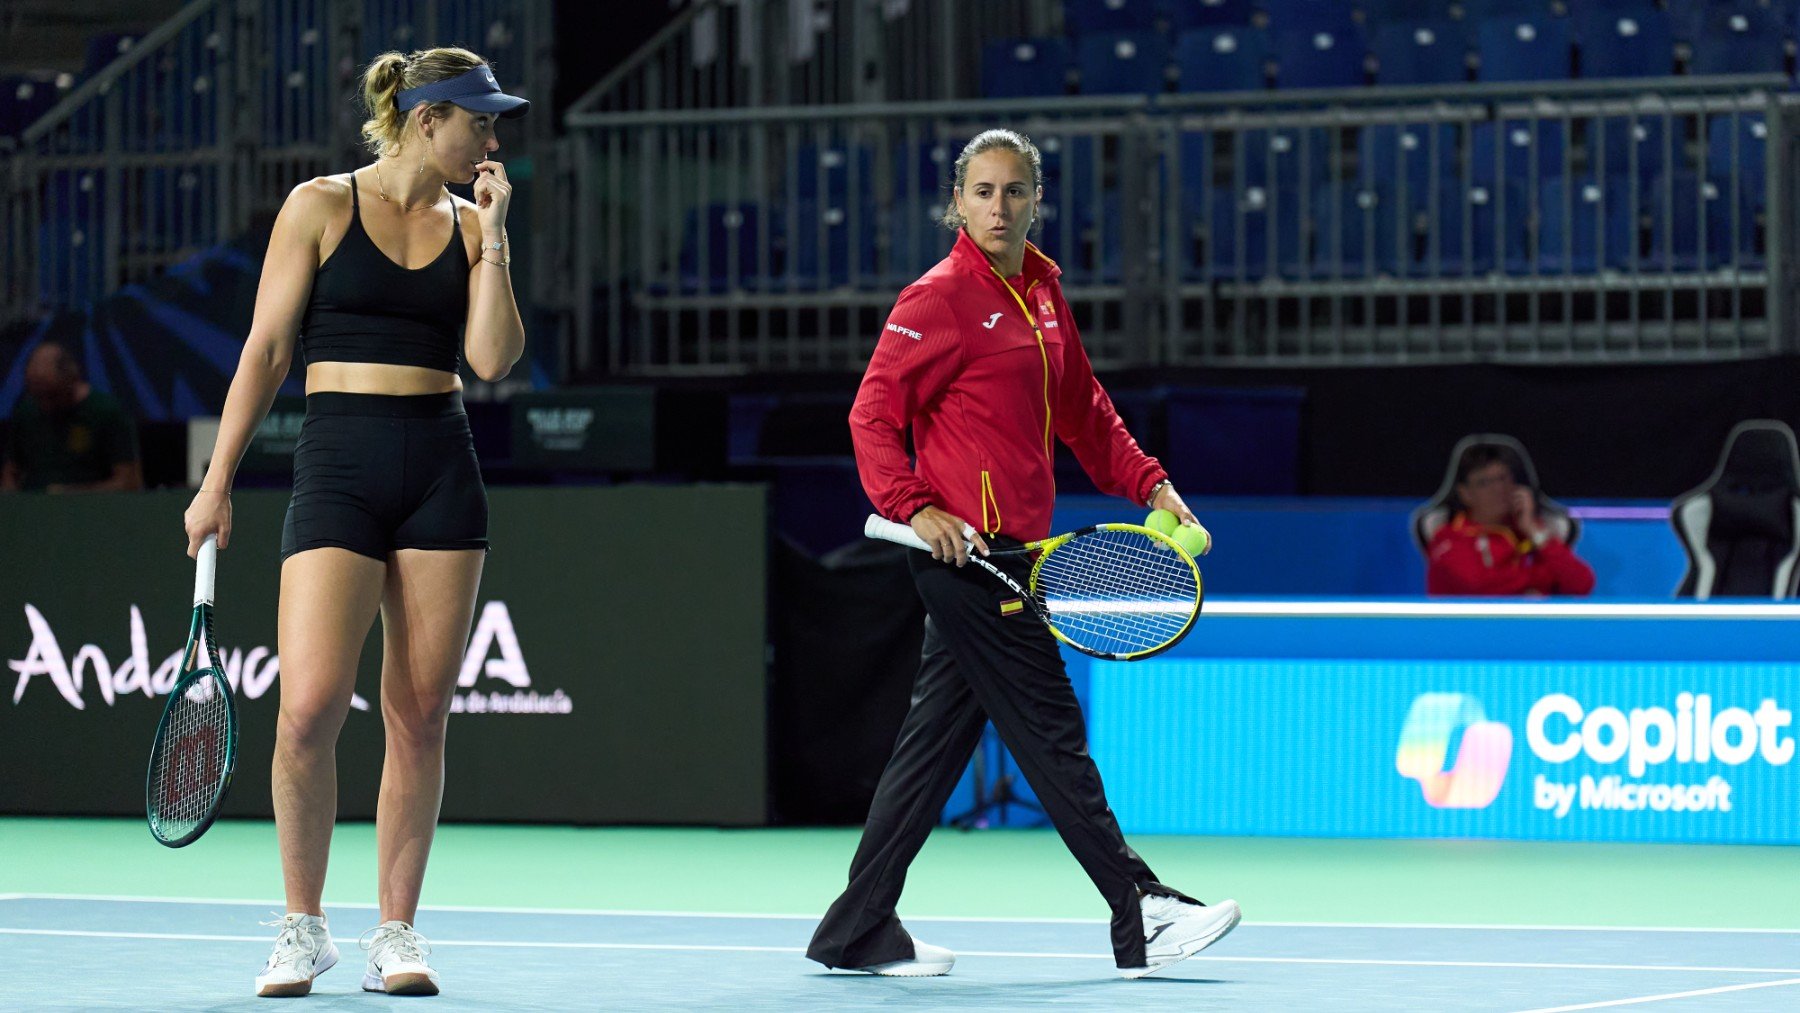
(303, 951)
(927, 961)
(1175, 930)
(397, 961)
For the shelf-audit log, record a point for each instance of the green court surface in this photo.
(992, 873)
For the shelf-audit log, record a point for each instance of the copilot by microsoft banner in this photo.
(1700, 751)
(615, 672)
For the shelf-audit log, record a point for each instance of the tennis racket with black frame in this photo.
(1122, 592)
(195, 749)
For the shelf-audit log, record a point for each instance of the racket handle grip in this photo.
(902, 534)
(880, 527)
(207, 564)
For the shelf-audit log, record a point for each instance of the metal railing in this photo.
(209, 121)
(1575, 221)
(726, 54)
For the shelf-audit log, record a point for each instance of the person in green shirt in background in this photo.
(65, 435)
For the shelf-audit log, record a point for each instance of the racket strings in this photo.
(1117, 592)
(190, 767)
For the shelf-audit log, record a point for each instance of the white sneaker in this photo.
(927, 961)
(397, 961)
(1175, 930)
(303, 951)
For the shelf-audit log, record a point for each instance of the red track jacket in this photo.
(1470, 559)
(985, 372)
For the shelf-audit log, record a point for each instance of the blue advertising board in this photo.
(1539, 721)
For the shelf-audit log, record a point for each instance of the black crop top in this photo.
(366, 308)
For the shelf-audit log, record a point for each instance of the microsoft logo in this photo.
(1434, 723)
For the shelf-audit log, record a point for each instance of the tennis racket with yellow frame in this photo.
(1122, 592)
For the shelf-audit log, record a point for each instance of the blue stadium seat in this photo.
(1523, 49)
(1481, 10)
(1436, 245)
(834, 187)
(1623, 39)
(1215, 214)
(1623, 138)
(1367, 242)
(1221, 59)
(1733, 243)
(829, 229)
(1380, 12)
(926, 167)
(732, 237)
(1025, 68)
(1319, 57)
(916, 239)
(1185, 15)
(1572, 219)
(1674, 208)
(1293, 159)
(23, 100)
(105, 47)
(1220, 253)
(1420, 52)
(1099, 252)
(1525, 149)
(1123, 63)
(826, 170)
(1309, 15)
(1084, 17)
(1751, 140)
(923, 174)
(1687, 21)
(1074, 185)
(1500, 226)
(1739, 242)
(1735, 37)
(1403, 157)
(1049, 238)
(69, 261)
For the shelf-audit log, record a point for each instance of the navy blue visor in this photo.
(474, 90)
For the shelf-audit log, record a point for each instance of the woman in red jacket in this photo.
(1496, 543)
(981, 358)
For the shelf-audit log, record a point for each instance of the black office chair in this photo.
(1437, 511)
(1739, 526)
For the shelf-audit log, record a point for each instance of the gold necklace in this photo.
(381, 191)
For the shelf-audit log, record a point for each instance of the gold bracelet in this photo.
(497, 263)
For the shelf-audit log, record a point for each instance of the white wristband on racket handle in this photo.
(880, 527)
(207, 565)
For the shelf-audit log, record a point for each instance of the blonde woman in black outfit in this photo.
(387, 280)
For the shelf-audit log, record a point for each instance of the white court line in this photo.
(1668, 995)
(722, 948)
(816, 915)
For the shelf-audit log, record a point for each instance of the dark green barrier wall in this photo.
(630, 619)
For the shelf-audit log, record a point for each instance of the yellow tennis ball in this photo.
(1194, 538)
(1162, 522)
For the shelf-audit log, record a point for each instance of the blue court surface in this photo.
(69, 952)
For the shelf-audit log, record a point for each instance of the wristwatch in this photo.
(1155, 491)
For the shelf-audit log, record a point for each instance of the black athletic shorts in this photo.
(374, 473)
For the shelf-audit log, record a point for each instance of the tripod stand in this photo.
(992, 797)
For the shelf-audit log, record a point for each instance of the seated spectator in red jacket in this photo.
(1495, 542)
